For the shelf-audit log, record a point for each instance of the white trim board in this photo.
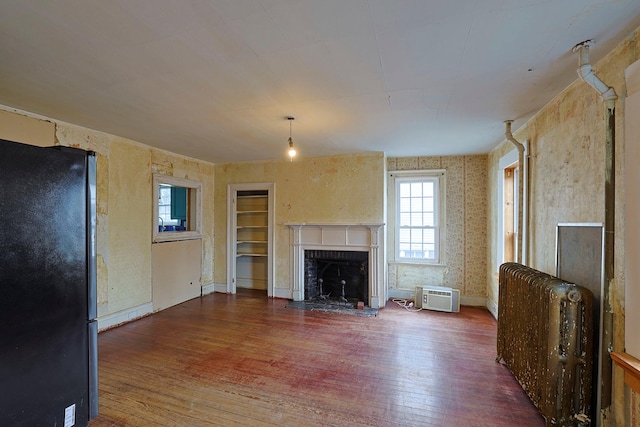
(120, 317)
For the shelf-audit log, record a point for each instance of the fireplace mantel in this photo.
(366, 237)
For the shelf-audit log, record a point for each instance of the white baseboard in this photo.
(473, 301)
(220, 287)
(208, 289)
(124, 316)
(402, 293)
(493, 308)
(410, 294)
(282, 293)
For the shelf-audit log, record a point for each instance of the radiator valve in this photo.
(574, 295)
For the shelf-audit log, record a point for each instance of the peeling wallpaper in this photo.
(124, 205)
(129, 226)
(567, 179)
(466, 230)
(339, 189)
(125, 212)
(566, 186)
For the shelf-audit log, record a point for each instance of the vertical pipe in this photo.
(609, 246)
(509, 136)
(608, 94)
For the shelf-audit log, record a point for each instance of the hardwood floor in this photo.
(246, 360)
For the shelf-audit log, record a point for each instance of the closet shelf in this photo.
(252, 215)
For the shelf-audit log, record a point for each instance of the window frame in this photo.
(395, 178)
(196, 187)
(508, 160)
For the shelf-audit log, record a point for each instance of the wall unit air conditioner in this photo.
(437, 298)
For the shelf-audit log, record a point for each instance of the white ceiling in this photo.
(215, 79)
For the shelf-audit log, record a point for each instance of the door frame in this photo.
(232, 235)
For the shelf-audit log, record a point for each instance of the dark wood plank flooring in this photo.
(246, 360)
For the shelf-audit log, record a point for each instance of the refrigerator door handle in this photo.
(92, 285)
(93, 368)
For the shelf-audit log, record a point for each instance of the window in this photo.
(166, 205)
(510, 174)
(177, 209)
(510, 216)
(417, 215)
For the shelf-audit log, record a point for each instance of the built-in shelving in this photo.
(252, 239)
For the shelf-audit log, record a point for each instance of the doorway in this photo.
(250, 210)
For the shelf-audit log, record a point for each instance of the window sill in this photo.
(631, 367)
(416, 262)
(174, 236)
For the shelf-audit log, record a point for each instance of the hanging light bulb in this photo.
(292, 150)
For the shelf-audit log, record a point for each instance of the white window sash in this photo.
(398, 177)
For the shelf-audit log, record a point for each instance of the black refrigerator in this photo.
(48, 332)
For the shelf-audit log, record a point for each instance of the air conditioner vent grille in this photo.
(432, 292)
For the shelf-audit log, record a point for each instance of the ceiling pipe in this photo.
(587, 74)
(608, 94)
(521, 152)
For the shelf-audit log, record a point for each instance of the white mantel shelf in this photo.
(365, 237)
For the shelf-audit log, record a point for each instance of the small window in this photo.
(510, 212)
(177, 209)
(416, 197)
(168, 199)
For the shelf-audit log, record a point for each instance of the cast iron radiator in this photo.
(545, 337)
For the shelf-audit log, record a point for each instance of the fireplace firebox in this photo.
(336, 276)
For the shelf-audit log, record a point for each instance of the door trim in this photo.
(232, 195)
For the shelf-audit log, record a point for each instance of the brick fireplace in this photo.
(332, 239)
(336, 276)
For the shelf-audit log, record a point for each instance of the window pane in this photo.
(416, 189)
(405, 204)
(405, 219)
(429, 235)
(416, 204)
(405, 189)
(164, 206)
(428, 204)
(428, 219)
(428, 189)
(416, 219)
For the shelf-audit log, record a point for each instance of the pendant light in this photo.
(292, 150)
